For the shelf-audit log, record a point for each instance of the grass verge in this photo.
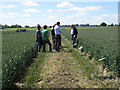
(33, 72)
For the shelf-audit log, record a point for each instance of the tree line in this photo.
(77, 25)
(14, 26)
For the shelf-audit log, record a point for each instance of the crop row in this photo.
(18, 49)
(99, 43)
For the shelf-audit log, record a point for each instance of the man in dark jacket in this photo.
(74, 33)
(53, 36)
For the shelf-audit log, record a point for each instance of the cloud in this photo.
(31, 10)
(64, 4)
(26, 15)
(52, 17)
(108, 18)
(79, 11)
(9, 15)
(78, 15)
(92, 8)
(8, 6)
(50, 10)
(29, 3)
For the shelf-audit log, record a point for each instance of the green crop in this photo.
(18, 49)
(100, 42)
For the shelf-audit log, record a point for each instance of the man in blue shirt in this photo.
(38, 37)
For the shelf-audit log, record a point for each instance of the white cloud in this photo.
(80, 11)
(108, 18)
(29, 3)
(50, 10)
(78, 15)
(105, 15)
(26, 15)
(110, 15)
(9, 15)
(65, 4)
(1, 14)
(8, 6)
(31, 10)
(92, 8)
(52, 17)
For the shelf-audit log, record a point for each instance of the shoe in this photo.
(75, 44)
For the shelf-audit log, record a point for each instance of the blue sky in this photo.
(30, 12)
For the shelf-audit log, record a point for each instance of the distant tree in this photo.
(76, 25)
(26, 26)
(15, 26)
(103, 24)
(112, 24)
(88, 24)
(6, 26)
(81, 25)
(3, 27)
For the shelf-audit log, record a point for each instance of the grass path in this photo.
(63, 70)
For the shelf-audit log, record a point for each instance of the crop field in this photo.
(18, 48)
(99, 42)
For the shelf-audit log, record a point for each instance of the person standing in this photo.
(74, 33)
(57, 36)
(38, 37)
(53, 36)
(45, 39)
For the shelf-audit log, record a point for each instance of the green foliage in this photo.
(18, 49)
(33, 73)
(99, 42)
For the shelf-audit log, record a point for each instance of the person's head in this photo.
(72, 25)
(38, 27)
(50, 26)
(54, 25)
(58, 23)
(45, 26)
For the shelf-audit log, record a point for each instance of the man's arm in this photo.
(59, 29)
(38, 34)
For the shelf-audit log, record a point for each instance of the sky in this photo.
(33, 12)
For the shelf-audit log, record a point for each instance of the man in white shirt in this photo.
(74, 33)
(57, 36)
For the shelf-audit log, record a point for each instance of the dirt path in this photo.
(61, 71)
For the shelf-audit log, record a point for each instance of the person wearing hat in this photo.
(38, 37)
(74, 33)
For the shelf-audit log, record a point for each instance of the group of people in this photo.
(42, 37)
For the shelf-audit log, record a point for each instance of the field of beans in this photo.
(99, 42)
(18, 48)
